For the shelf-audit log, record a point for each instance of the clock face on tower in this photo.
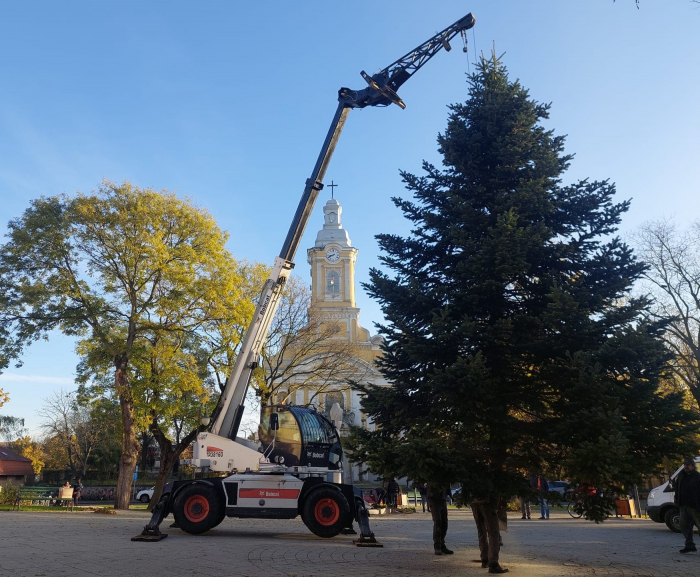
(332, 254)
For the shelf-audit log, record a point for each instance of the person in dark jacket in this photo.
(380, 495)
(423, 490)
(687, 497)
(392, 490)
(437, 504)
(485, 511)
(77, 492)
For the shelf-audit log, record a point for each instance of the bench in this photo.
(44, 495)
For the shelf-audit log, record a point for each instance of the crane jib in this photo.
(264, 306)
(381, 90)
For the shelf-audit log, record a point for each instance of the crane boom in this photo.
(381, 90)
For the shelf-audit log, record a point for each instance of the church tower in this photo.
(332, 261)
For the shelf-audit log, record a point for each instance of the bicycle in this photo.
(575, 507)
(571, 509)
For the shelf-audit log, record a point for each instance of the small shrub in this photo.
(514, 504)
(8, 494)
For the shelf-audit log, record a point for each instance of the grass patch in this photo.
(80, 509)
(104, 510)
(42, 508)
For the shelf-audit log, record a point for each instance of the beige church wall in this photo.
(338, 309)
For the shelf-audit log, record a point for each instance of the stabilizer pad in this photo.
(368, 543)
(142, 537)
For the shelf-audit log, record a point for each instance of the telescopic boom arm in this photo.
(381, 90)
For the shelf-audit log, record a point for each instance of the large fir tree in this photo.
(512, 343)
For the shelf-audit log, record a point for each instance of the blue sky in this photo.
(227, 103)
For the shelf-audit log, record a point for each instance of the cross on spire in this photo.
(332, 186)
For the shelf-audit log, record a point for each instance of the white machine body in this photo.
(223, 455)
(257, 493)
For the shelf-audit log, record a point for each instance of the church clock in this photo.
(332, 254)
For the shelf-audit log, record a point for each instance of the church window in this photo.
(333, 283)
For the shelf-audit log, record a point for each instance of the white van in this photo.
(660, 505)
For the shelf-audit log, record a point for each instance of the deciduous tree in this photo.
(111, 266)
(302, 350)
(673, 279)
(29, 449)
(173, 371)
(72, 427)
(11, 428)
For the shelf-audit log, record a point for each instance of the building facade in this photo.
(333, 311)
(14, 469)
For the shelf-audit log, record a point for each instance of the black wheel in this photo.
(144, 498)
(198, 508)
(326, 512)
(221, 517)
(572, 510)
(672, 518)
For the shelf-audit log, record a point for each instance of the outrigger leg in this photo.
(151, 532)
(366, 536)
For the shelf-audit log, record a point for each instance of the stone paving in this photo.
(84, 544)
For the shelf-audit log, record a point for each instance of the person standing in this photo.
(393, 491)
(525, 507)
(437, 505)
(423, 490)
(380, 495)
(542, 487)
(485, 511)
(687, 497)
(502, 514)
(77, 491)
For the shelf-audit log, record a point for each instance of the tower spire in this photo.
(332, 231)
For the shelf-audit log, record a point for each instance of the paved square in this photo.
(82, 544)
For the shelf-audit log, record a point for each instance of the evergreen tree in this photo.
(511, 339)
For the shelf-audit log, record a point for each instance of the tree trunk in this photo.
(85, 467)
(71, 461)
(129, 456)
(167, 460)
(169, 454)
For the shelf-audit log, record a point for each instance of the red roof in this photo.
(14, 464)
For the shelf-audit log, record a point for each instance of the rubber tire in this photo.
(672, 515)
(221, 517)
(309, 513)
(144, 498)
(572, 512)
(216, 513)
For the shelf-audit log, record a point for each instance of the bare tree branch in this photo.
(71, 425)
(673, 279)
